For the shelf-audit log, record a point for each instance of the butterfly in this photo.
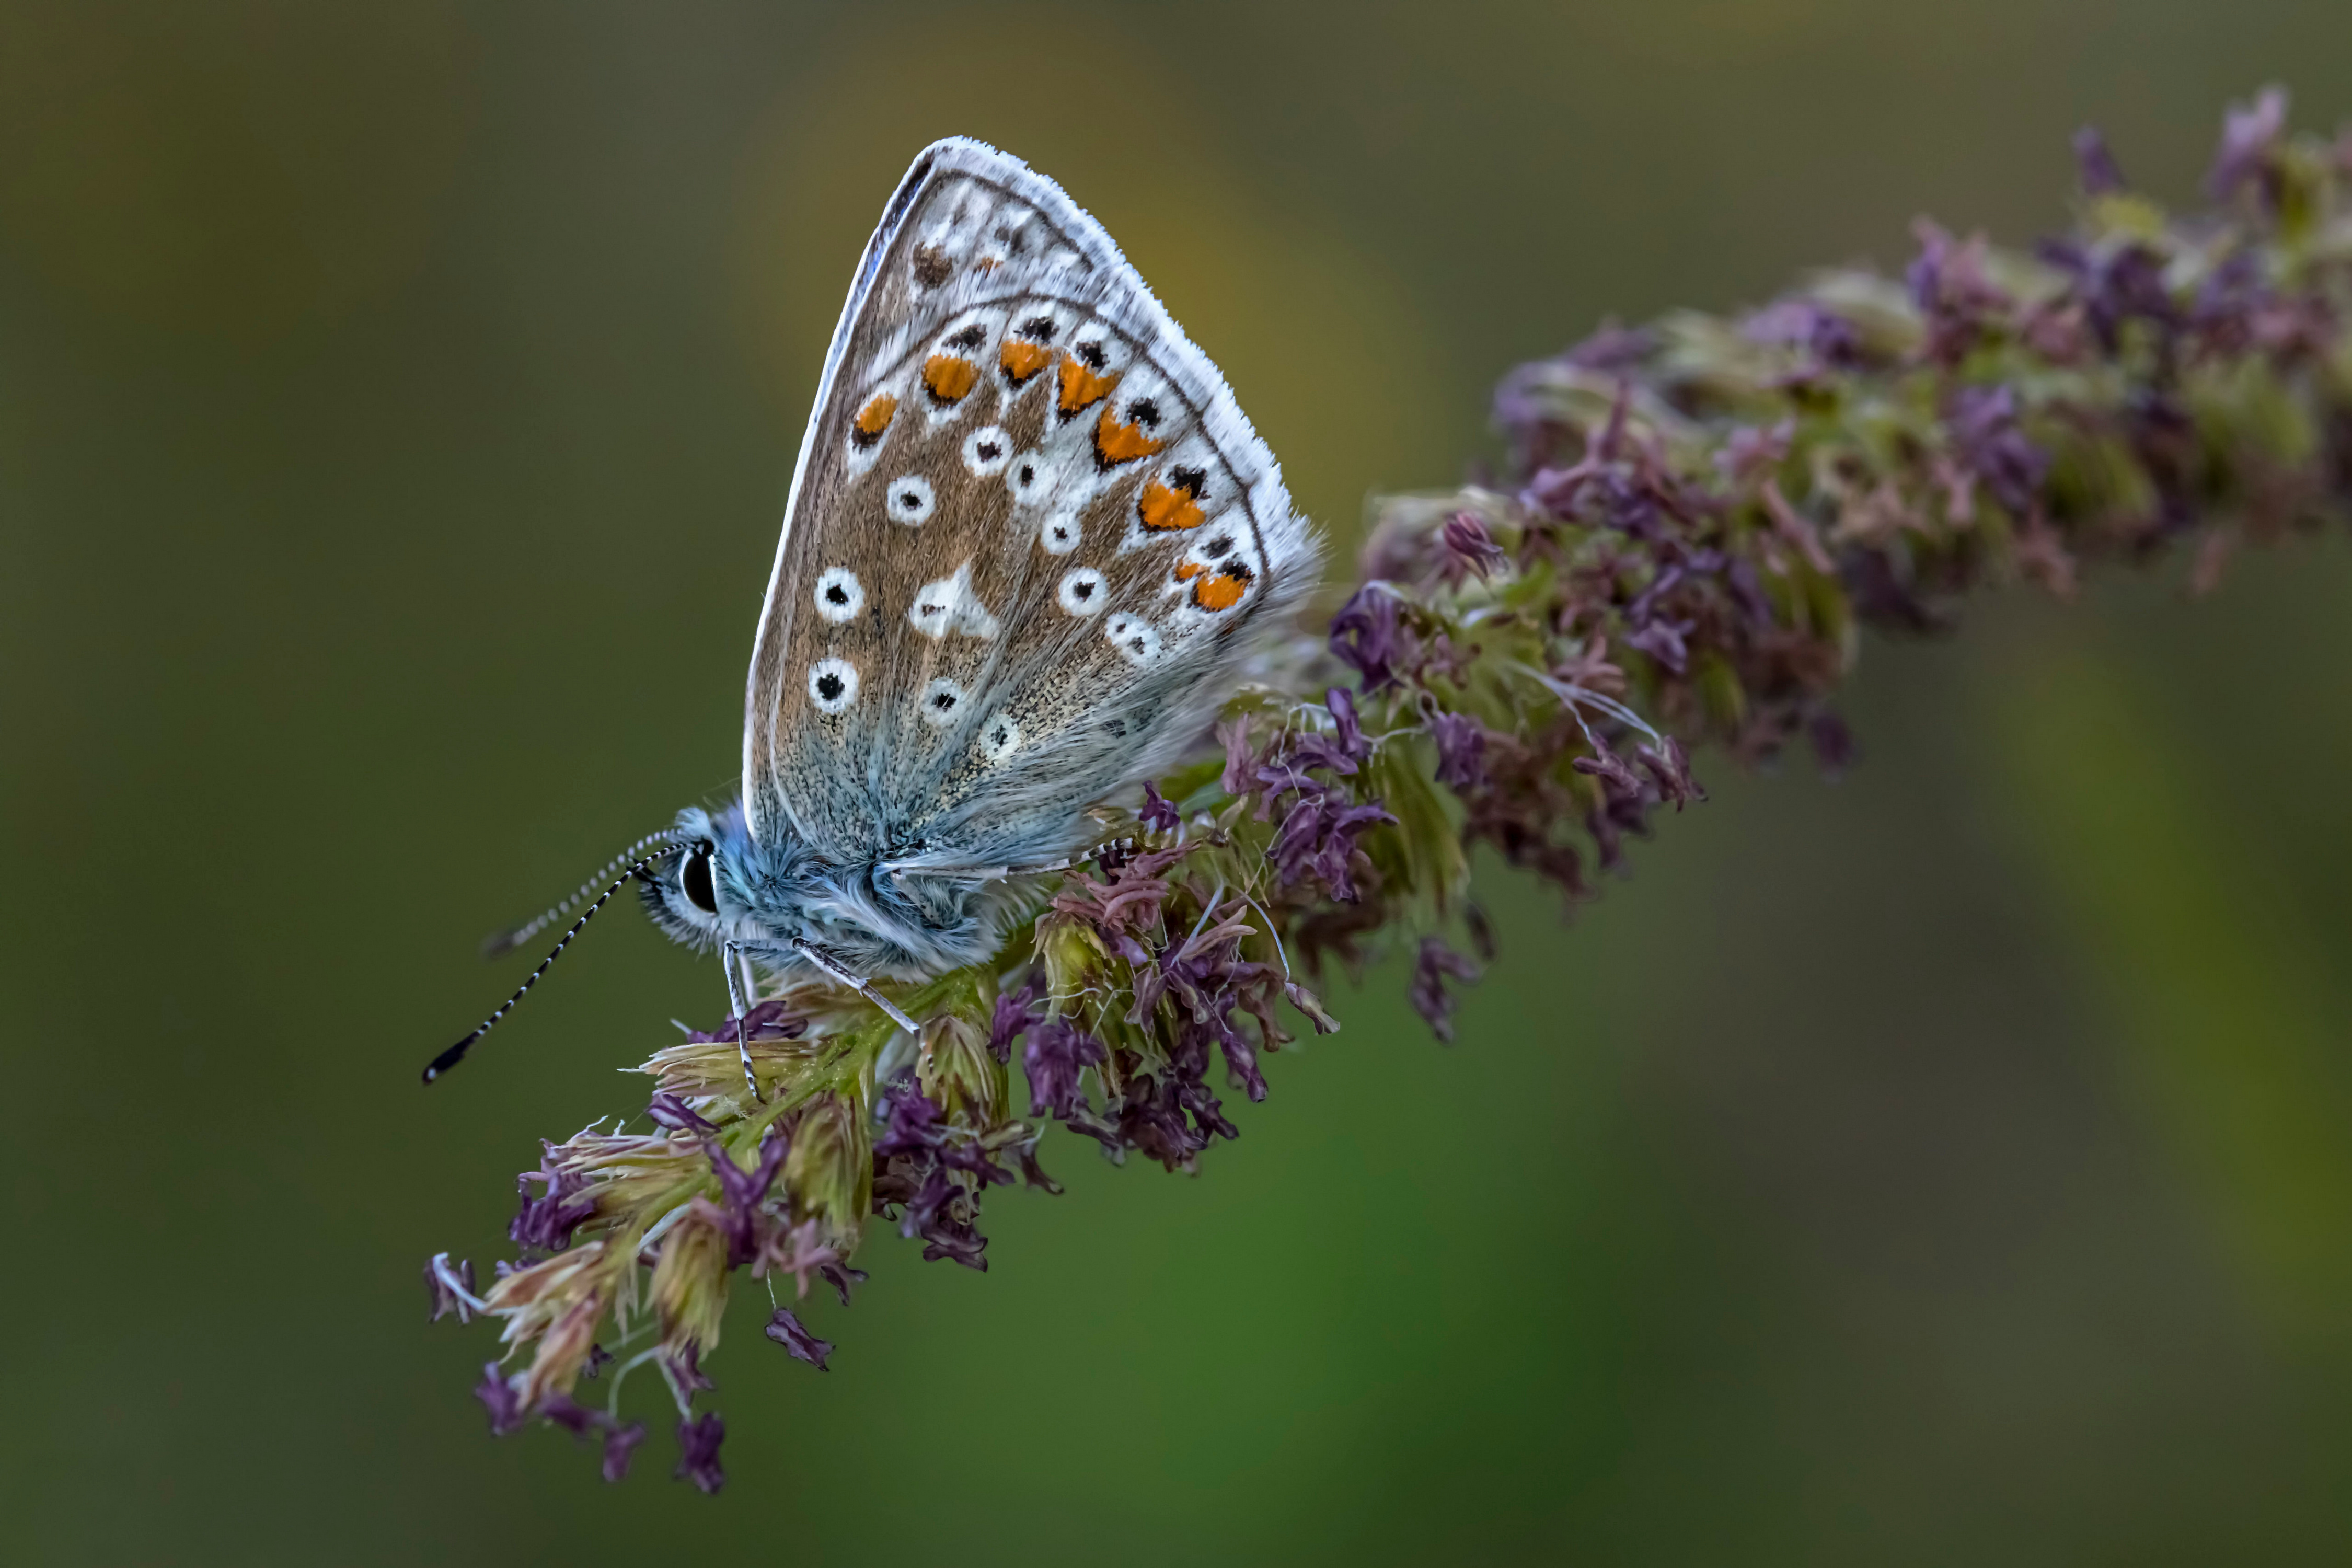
(1030, 543)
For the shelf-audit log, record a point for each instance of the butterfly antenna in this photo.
(456, 1053)
(500, 943)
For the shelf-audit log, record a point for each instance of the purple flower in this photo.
(1350, 732)
(1461, 750)
(451, 1287)
(2101, 175)
(502, 1399)
(1017, 1012)
(1155, 813)
(1056, 1054)
(741, 1193)
(1239, 758)
(1988, 439)
(1365, 635)
(684, 1366)
(577, 1419)
(913, 1121)
(1616, 775)
(2248, 133)
(1751, 451)
(697, 1451)
(1436, 962)
(620, 1444)
(785, 1329)
(1318, 840)
(1662, 640)
(1830, 339)
(765, 1021)
(1670, 767)
(546, 1222)
(1469, 548)
(671, 1114)
(841, 1278)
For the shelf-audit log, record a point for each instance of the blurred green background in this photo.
(1950, 1167)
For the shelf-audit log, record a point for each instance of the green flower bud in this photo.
(689, 1285)
(958, 1074)
(830, 1172)
(1075, 958)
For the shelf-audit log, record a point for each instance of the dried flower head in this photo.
(1696, 520)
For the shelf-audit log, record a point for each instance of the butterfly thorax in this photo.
(873, 914)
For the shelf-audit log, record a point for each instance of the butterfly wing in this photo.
(1030, 539)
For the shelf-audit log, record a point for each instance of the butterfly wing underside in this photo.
(1030, 539)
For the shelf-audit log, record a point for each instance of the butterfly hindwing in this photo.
(1030, 539)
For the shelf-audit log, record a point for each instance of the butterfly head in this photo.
(718, 884)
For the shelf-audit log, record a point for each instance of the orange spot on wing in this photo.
(1116, 443)
(873, 419)
(1219, 591)
(949, 376)
(1021, 361)
(1215, 590)
(1081, 387)
(1165, 510)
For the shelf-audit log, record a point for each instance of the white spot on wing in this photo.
(1084, 592)
(1030, 478)
(833, 684)
(998, 738)
(948, 605)
(1137, 639)
(943, 702)
(1059, 534)
(839, 595)
(908, 500)
(987, 450)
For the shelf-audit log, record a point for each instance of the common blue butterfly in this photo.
(1031, 541)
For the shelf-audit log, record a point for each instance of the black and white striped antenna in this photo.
(456, 1053)
(499, 943)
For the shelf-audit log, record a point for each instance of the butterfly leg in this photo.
(844, 977)
(730, 955)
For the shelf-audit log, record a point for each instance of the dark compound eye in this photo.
(694, 878)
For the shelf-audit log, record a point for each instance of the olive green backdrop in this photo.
(1951, 1165)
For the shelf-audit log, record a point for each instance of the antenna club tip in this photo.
(499, 943)
(450, 1057)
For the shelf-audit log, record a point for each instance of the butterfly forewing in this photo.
(1030, 538)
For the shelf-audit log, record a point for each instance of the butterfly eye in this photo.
(693, 879)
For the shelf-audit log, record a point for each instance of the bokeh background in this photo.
(1950, 1165)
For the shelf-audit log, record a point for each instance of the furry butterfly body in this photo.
(1031, 542)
